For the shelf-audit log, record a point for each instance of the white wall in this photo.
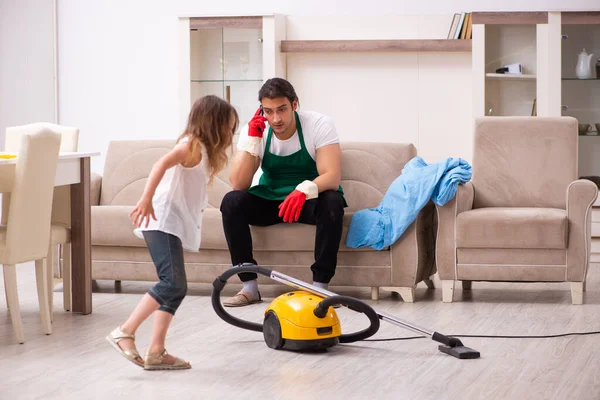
(419, 98)
(118, 59)
(26, 63)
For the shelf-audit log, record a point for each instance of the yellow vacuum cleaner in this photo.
(306, 319)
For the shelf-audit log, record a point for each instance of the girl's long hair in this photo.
(209, 125)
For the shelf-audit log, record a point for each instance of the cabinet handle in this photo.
(260, 40)
(565, 37)
(564, 107)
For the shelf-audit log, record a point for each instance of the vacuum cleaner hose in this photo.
(219, 284)
(355, 305)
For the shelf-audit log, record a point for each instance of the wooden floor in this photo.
(75, 362)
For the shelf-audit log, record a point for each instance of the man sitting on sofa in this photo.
(300, 159)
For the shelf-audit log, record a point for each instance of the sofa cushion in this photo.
(111, 227)
(512, 228)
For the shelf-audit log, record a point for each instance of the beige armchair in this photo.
(26, 235)
(524, 216)
(60, 235)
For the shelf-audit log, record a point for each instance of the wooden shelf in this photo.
(510, 18)
(226, 22)
(508, 77)
(408, 45)
(580, 17)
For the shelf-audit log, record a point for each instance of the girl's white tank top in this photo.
(179, 203)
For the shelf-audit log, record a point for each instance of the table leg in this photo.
(81, 241)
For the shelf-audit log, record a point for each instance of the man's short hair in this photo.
(277, 87)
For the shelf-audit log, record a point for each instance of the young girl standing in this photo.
(169, 217)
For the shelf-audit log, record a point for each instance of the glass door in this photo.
(580, 89)
(227, 62)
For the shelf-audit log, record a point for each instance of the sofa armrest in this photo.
(95, 186)
(445, 242)
(412, 253)
(581, 195)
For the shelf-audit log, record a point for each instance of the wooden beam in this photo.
(410, 45)
(509, 18)
(226, 22)
(580, 18)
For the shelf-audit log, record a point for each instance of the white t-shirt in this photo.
(318, 131)
(179, 203)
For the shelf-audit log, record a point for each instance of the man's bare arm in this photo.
(243, 169)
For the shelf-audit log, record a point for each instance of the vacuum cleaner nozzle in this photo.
(461, 352)
(454, 347)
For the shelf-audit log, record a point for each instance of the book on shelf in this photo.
(469, 34)
(453, 26)
(461, 26)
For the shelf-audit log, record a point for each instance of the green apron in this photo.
(281, 174)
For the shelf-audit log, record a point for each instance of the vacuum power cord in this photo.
(491, 336)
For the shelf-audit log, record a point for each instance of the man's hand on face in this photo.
(257, 126)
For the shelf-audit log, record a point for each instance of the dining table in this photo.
(73, 169)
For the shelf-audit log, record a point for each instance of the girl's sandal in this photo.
(154, 362)
(132, 354)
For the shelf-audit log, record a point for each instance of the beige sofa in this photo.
(368, 170)
(524, 216)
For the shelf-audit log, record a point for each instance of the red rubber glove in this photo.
(256, 126)
(292, 206)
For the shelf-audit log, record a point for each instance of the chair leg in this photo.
(50, 279)
(12, 298)
(374, 293)
(58, 278)
(6, 294)
(429, 283)
(467, 285)
(66, 274)
(41, 275)
(577, 292)
(447, 291)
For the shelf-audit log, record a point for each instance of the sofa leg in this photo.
(429, 283)
(375, 293)
(584, 286)
(577, 292)
(467, 285)
(407, 293)
(447, 291)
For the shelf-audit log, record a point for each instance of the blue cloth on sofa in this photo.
(419, 182)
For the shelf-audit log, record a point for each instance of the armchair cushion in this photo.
(512, 228)
(524, 161)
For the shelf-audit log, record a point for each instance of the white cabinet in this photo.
(229, 57)
(503, 39)
(547, 45)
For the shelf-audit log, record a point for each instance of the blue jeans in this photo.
(167, 254)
